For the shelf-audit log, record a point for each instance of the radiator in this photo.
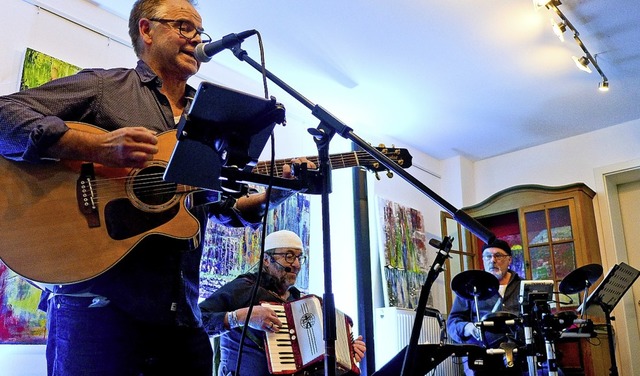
(393, 328)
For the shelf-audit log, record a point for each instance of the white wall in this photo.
(557, 163)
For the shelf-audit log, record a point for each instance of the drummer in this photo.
(496, 257)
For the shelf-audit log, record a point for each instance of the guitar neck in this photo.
(342, 160)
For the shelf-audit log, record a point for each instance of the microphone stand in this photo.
(410, 355)
(328, 127)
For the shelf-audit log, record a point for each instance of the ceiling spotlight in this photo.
(603, 86)
(537, 4)
(582, 63)
(559, 28)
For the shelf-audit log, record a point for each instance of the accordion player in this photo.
(298, 345)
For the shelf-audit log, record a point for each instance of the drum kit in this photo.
(539, 327)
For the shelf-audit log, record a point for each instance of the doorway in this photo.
(618, 193)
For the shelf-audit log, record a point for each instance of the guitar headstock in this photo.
(398, 155)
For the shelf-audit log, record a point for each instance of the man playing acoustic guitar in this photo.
(139, 314)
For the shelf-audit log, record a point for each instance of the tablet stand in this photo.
(607, 295)
(220, 139)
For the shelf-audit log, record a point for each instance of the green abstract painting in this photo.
(39, 68)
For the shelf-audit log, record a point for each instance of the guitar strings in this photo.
(146, 185)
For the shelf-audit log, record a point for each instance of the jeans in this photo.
(87, 336)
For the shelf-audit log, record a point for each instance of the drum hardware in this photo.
(541, 325)
(606, 296)
(580, 280)
(475, 285)
(479, 285)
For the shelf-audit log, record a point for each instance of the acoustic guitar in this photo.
(69, 221)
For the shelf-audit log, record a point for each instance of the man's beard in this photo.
(498, 273)
(284, 282)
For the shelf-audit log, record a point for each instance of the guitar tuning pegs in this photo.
(389, 174)
(381, 146)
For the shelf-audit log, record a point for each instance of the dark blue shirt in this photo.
(32, 120)
(158, 281)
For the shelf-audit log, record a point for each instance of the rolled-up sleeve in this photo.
(32, 120)
(229, 297)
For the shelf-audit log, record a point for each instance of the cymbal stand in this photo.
(478, 323)
(548, 327)
(475, 302)
(532, 361)
(528, 319)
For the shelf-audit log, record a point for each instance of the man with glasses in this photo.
(185, 28)
(496, 257)
(141, 316)
(225, 311)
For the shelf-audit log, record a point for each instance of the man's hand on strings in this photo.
(288, 169)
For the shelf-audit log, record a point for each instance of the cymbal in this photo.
(581, 278)
(471, 283)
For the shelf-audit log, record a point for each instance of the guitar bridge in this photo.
(87, 196)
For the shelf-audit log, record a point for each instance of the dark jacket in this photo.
(463, 311)
(231, 296)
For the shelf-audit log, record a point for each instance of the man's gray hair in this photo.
(145, 9)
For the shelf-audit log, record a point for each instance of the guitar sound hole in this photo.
(150, 189)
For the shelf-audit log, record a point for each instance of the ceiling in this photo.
(448, 78)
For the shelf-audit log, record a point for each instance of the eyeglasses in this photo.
(291, 257)
(498, 257)
(186, 29)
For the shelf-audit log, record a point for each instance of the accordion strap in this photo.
(258, 342)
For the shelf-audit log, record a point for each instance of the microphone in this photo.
(285, 268)
(205, 51)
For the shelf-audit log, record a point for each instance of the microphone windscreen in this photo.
(200, 53)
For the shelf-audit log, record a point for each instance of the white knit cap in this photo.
(282, 239)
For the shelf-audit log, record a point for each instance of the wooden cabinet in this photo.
(552, 231)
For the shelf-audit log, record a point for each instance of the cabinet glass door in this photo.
(550, 242)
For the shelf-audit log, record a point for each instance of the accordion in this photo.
(299, 343)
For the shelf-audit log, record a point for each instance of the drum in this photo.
(498, 322)
(499, 327)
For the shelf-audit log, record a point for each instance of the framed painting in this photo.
(403, 254)
(229, 252)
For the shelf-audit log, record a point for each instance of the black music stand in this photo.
(607, 295)
(220, 139)
(430, 355)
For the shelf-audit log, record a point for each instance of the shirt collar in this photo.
(147, 76)
(145, 72)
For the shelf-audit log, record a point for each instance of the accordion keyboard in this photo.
(280, 349)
